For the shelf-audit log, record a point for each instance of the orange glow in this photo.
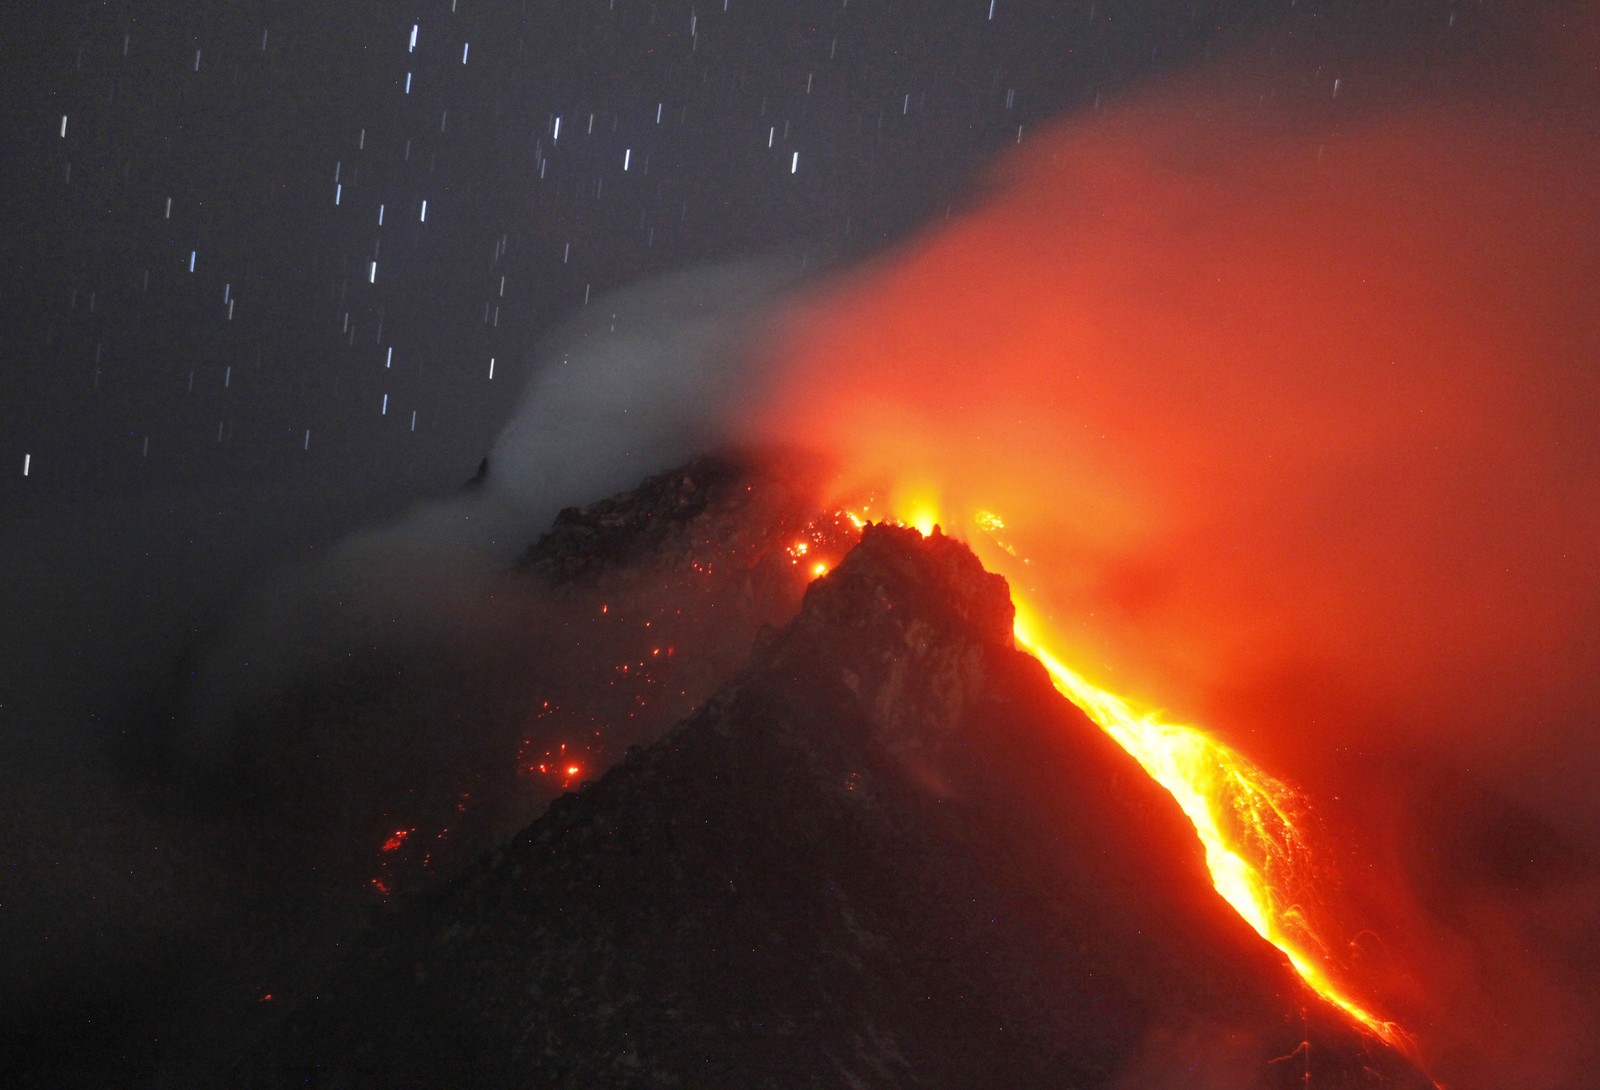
(917, 507)
(1283, 418)
(1248, 822)
(1246, 819)
(561, 765)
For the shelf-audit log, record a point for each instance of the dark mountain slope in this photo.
(887, 855)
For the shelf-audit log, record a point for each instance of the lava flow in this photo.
(1245, 819)
(1249, 823)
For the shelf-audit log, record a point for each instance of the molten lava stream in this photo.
(1246, 820)
(1211, 782)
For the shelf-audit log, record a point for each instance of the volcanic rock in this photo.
(887, 855)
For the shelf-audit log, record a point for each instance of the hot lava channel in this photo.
(1252, 826)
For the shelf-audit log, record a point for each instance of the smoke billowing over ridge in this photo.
(1289, 408)
(1261, 401)
(647, 380)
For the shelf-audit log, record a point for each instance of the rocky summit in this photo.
(887, 854)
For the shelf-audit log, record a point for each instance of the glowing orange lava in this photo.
(1246, 820)
(1249, 823)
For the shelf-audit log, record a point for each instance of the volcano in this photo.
(886, 852)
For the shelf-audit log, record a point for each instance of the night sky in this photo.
(232, 226)
(232, 332)
(276, 270)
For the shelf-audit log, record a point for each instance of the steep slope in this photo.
(888, 854)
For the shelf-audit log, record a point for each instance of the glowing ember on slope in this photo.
(561, 765)
(404, 855)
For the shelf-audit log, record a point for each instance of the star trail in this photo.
(333, 209)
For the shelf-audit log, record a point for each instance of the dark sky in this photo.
(193, 197)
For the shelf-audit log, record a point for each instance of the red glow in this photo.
(1294, 433)
(557, 765)
(1248, 823)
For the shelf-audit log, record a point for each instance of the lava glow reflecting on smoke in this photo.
(1284, 418)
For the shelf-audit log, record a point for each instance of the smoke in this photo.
(648, 379)
(1285, 389)
(643, 381)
